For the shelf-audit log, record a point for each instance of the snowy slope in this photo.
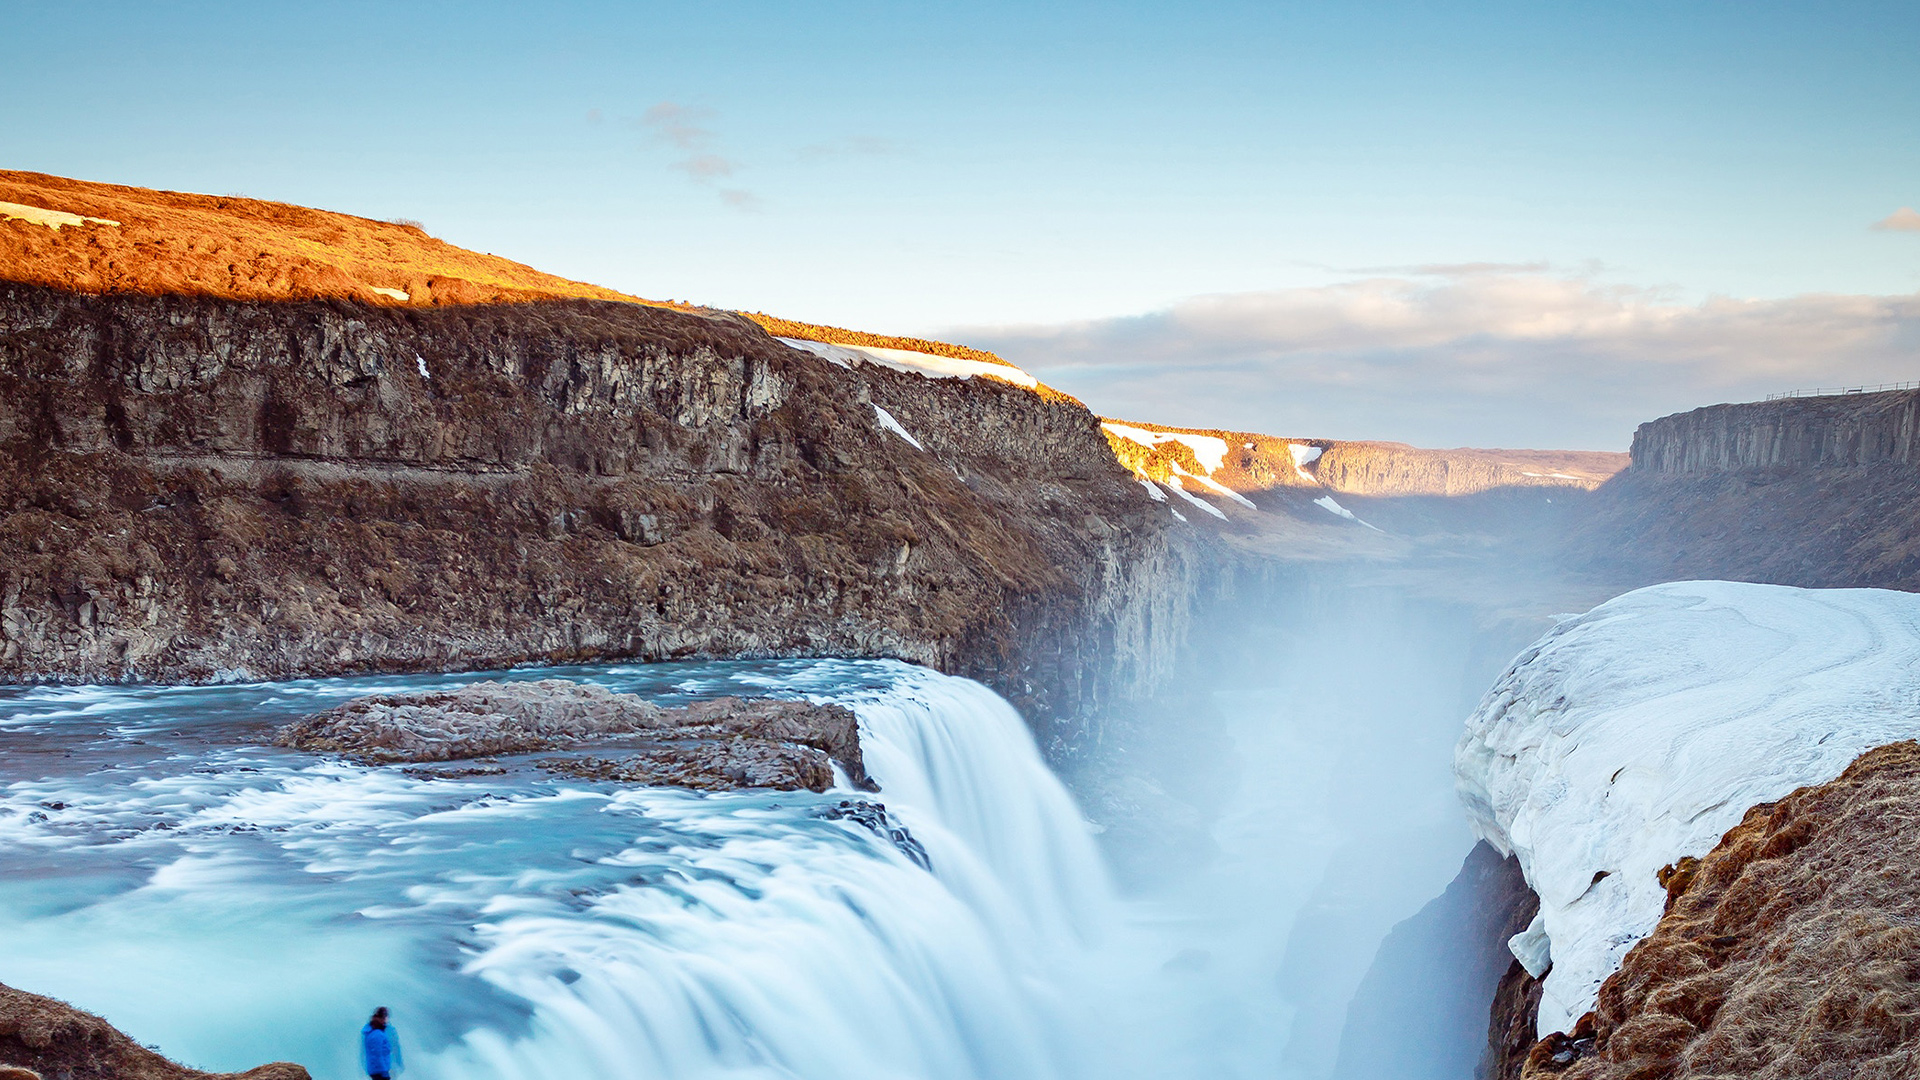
(920, 363)
(1645, 729)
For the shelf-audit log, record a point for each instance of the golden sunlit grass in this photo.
(175, 243)
(248, 249)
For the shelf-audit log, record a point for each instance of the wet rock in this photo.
(710, 745)
(873, 816)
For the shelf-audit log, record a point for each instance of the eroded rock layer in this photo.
(195, 488)
(56, 1041)
(1790, 950)
(710, 745)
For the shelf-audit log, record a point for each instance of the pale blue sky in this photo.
(922, 167)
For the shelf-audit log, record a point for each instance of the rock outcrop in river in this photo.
(710, 745)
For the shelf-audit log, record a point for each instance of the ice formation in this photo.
(1643, 730)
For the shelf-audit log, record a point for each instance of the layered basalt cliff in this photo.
(1817, 491)
(197, 488)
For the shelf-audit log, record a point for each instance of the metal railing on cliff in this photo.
(1838, 391)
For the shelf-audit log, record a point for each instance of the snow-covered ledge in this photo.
(1645, 729)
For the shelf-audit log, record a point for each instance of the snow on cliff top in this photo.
(1643, 730)
(920, 363)
(1209, 452)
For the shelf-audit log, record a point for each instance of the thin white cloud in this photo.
(706, 167)
(684, 127)
(678, 125)
(1480, 356)
(1905, 219)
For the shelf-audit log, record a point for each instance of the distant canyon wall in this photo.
(194, 488)
(1794, 433)
(1819, 492)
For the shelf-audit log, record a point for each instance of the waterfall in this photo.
(239, 903)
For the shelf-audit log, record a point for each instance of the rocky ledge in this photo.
(43, 1038)
(1791, 950)
(710, 746)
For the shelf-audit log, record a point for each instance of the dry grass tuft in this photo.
(48, 1038)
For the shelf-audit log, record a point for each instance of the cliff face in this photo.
(1818, 492)
(197, 488)
(1794, 433)
(1250, 463)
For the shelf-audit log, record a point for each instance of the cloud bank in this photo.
(1471, 355)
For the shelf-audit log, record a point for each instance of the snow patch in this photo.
(1553, 475)
(887, 421)
(52, 219)
(1214, 486)
(1303, 456)
(397, 294)
(1643, 730)
(1176, 513)
(422, 361)
(1195, 500)
(1211, 453)
(1532, 947)
(920, 363)
(1153, 490)
(1327, 503)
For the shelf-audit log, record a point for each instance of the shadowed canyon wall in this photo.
(1818, 492)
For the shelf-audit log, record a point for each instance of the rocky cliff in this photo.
(1818, 491)
(197, 488)
(1792, 433)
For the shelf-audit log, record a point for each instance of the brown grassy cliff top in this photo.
(139, 240)
(108, 238)
(1791, 950)
(53, 1039)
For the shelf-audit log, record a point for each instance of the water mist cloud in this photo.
(1483, 354)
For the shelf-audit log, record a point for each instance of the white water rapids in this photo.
(233, 903)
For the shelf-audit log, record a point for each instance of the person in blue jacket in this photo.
(380, 1047)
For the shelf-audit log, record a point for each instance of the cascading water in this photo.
(235, 903)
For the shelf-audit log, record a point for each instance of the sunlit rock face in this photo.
(1639, 733)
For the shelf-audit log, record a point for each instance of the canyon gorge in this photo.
(1166, 724)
